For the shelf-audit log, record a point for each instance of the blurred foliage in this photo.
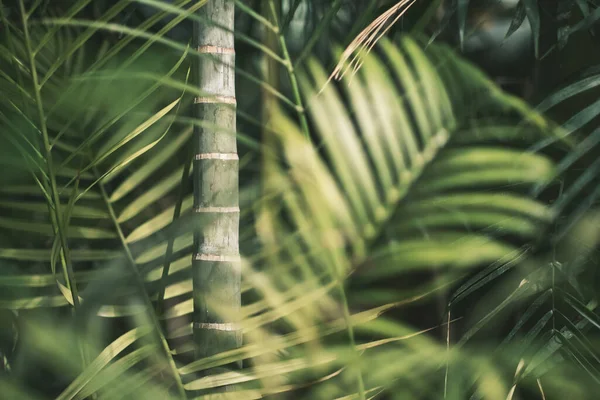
(431, 237)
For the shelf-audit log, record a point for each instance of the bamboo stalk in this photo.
(216, 261)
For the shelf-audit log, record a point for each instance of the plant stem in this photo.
(216, 267)
(139, 282)
(265, 223)
(347, 316)
(176, 213)
(248, 10)
(319, 31)
(290, 16)
(54, 209)
(291, 73)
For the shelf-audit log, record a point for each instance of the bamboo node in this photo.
(215, 50)
(223, 326)
(218, 258)
(215, 100)
(217, 210)
(217, 156)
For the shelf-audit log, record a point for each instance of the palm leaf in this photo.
(391, 179)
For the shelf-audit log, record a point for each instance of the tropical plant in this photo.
(415, 163)
(566, 24)
(559, 312)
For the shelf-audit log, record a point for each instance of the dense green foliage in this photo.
(410, 231)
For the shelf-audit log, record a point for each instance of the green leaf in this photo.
(47, 230)
(144, 171)
(158, 251)
(436, 219)
(158, 222)
(463, 252)
(465, 202)
(517, 20)
(527, 315)
(462, 10)
(515, 295)
(576, 354)
(103, 359)
(533, 14)
(581, 309)
(44, 255)
(12, 390)
(569, 91)
(82, 39)
(488, 274)
(153, 194)
(78, 211)
(583, 6)
(113, 373)
(111, 148)
(579, 336)
(35, 190)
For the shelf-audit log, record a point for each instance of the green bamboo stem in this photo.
(216, 264)
(54, 207)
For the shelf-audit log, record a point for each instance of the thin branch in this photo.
(185, 178)
(248, 10)
(324, 23)
(291, 73)
(54, 207)
(139, 282)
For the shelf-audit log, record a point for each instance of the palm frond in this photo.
(421, 164)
